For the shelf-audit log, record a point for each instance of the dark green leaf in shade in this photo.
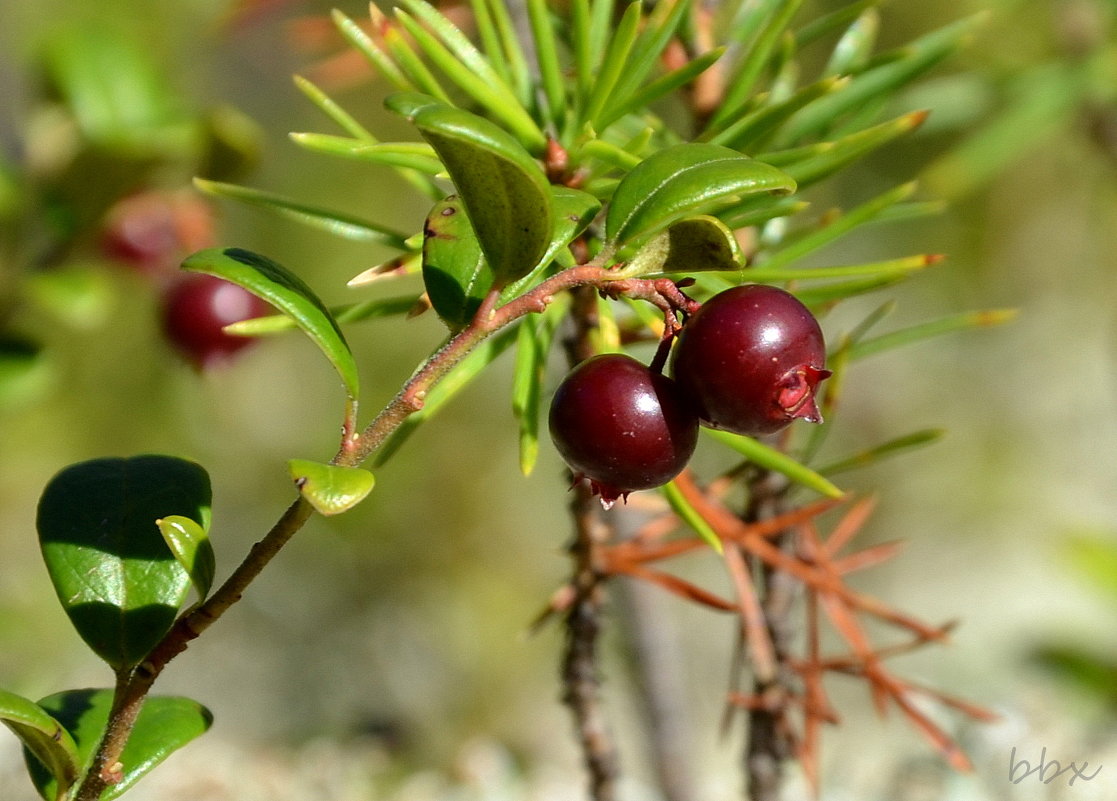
(44, 739)
(506, 195)
(696, 244)
(165, 724)
(330, 488)
(683, 181)
(455, 272)
(190, 544)
(287, 292)
(114, 574)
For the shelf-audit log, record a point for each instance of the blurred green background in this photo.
(384, 655)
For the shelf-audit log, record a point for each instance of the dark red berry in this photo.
(751, 359)
(196, 309)
(622, 426)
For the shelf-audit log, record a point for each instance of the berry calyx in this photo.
(195, 312)
(751, 359)
(622, 426)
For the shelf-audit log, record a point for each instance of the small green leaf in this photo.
(751, 131)
(44, 738)
(605, 78)
(114, 574)
(506, 195)
(334, 222)
(455, 272)
(348, 313)
(287, 292)
(683, 181)
(694, 245)
(333, 110)
(660, 87)
(772, 459)
(689, 515)
(165, 724)
(330, 488)
(407, 155)
(190, 544)
(373, 52)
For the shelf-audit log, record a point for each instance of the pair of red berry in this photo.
(151, 232)
(748, 361)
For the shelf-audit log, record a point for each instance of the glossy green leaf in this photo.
(546, 56)
(696, 244)
(399, 46)
(190, 544)
(455, 273)
(330, 488)
(44, 739)
(334, 222)
(444, 391)
(506, 195)
(772, 459)
(330, 107)
(893, 447)
(660, 26)
(682, 181)
(890, 267)
(512, 56)
(287, 292)
(114, 575)
(943, 325)
(165, 724)
(689, 515)
(823, 24)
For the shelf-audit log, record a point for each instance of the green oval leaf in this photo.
(114, 574)
(165, 724)
(683, 181)
(189, 542)
(331, 489)
(455, 273)
(693, 245)
(43, 738)
(287, 292)
(505, 192)
(574, 210)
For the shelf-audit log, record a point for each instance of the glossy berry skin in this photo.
(751, 359)
(621, 426)
(197, 308)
